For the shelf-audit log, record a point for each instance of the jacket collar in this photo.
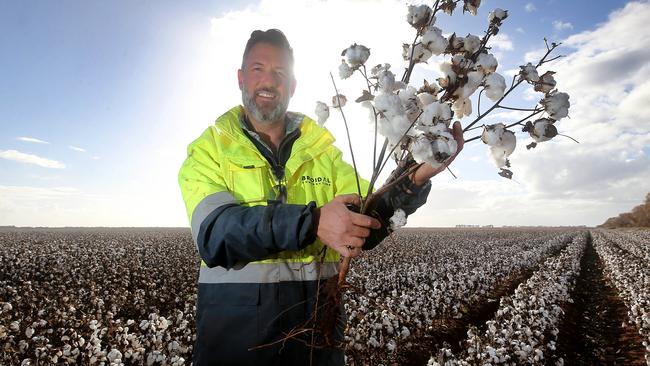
(313, 139)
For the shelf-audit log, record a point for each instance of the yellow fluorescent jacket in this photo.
(223, 167)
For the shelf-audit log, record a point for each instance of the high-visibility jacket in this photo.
(260, 257)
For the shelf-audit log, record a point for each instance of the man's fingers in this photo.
(458, 135)
(349, 198)
(360, 232)
(350, 251)
(364, 221)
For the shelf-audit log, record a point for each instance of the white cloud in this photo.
(70, 206)
(535, 55)
(502, 42)
(18, 156)
(560, 25)
(530, 7)
(609, 170)
(31, 139)
(76, 148)
(530, 201)
(520, 30)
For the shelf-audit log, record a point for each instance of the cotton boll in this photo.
(114, 355)
(393, 128)
(379, 68)
(356, 54)
(345, 71)
(410, 102)
(492, 134)
(433, 149)
(556, 105)
(462, 107)
(471, 6)
(434, 41)
(322, 112)
(418, 15)
(389, 104)
(386, 80)
(472, 43)
(436, 112)
(420, 53)
(543, 130)
(529, 73)
(546, 83)
(421, 150)
(508, 142)
(456, 43)
(497, 15)
(474, 79)
(426, 98)
(450, 144)
(405, 332)
(487, 63)
(462, 62)
(339, 101)
(449, 76)
(495, 86)
(500, 152)
(398, 219)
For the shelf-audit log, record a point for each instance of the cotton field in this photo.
(424, 297)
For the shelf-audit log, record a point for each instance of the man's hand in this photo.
(426, 171)
(344, 230)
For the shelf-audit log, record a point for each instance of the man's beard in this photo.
(266, 117)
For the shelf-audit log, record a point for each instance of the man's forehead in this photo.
(263, 53)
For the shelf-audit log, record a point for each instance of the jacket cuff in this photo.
(310, 227)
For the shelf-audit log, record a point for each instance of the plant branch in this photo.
(347, 130)
(549, 49)
(519, 109)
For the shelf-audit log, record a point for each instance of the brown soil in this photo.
(595, 329)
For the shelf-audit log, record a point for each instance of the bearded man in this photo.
(266, 194)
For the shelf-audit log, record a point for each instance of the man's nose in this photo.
(269, 79)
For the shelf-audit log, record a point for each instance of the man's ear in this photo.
(240, 79)
(293, 85)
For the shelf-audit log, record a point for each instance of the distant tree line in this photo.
(638, 217)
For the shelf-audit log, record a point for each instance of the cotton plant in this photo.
(415, 120)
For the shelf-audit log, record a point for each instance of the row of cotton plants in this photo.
(112, 297)
(636, 242)
(525, 328)
(421, 278)
(631, 276)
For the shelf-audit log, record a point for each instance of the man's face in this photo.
(266, 82)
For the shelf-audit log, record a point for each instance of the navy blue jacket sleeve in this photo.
(233, 233)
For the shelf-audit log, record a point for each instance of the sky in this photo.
(99, 100)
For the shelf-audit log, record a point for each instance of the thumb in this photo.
(458, 135)
(349, 198)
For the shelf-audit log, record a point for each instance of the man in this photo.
(266, 194)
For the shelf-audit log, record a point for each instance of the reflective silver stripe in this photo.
(268, 272)
(206, 206)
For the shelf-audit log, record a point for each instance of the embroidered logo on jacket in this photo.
(316, 181)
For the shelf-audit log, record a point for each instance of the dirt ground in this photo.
(595, 329)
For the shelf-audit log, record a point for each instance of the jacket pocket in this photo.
(246, 182)
(227, 326)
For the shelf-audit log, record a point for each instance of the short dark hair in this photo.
(273, 37)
